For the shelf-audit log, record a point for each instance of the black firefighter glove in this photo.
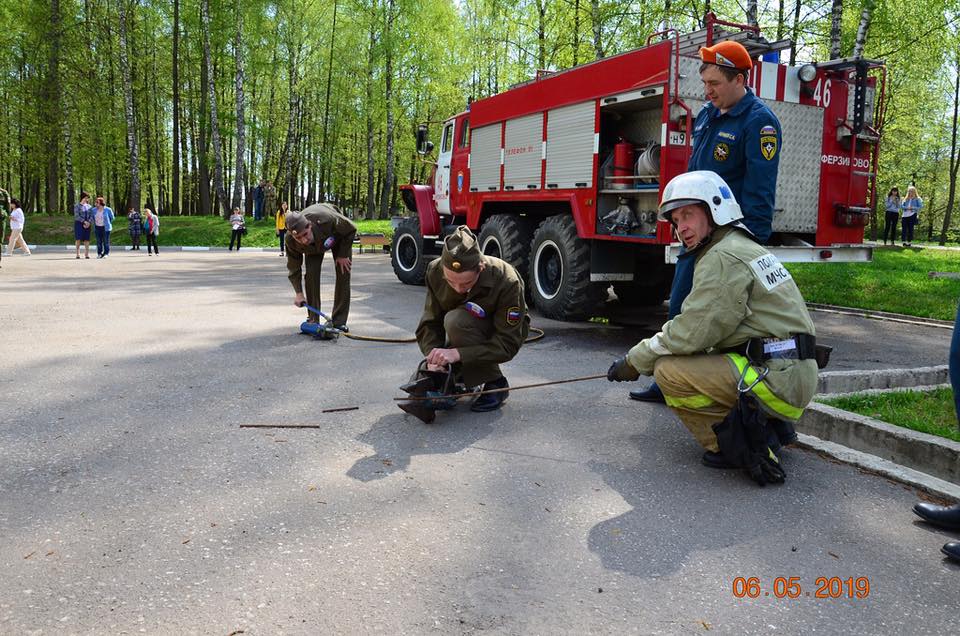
(742, 437)
(622, 371)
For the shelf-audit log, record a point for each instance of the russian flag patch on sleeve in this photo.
(514, 314)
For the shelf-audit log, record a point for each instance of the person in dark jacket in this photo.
(738, 137)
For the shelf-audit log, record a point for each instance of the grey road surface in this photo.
(132, 502)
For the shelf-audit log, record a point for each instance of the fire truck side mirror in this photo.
(424, 146)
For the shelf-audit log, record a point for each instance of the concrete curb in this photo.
(881, 315)
(874, 464)
(921, 388)
(920, 460)
(934, 456)
(857, 381)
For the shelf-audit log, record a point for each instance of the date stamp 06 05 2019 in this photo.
(790, 587)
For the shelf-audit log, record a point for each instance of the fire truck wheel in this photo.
(560, 284)
(651, 291)
(507, 237)
(406, 253)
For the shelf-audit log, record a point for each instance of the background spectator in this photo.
(237, 225)
(282, 223)
(17, 221)
(136, 226)
(893, 215)
(152, 230)
(102, 225)
(911, 213)
(258, 201)
(82, 222)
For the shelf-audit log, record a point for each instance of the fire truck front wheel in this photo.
(406, 253)
(560, 284)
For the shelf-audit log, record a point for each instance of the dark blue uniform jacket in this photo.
(743, 146)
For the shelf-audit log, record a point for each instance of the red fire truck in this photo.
(561, 175)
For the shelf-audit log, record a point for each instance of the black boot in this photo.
(944, 516)
(785, 432)
(651, 394)
(952, 550)
(716, 460)
(491, 401)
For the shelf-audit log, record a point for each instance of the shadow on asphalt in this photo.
(397, 438)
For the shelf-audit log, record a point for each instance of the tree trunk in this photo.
(781, 18)
(836, 18)
(597, 28)
(752, 12)
(388, 98)
(861, 41)
(371, 204)
(239, 177)
(541, 34)
(175, 160)
(214, 120)
(53, 126)
(324, 148)
(795, 33)
(132, 152)
(954, 159)
(68, 167)
(268, 145)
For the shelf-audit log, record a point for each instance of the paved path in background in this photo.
(130, 501)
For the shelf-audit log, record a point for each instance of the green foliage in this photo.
(930, 412)
(896, 281)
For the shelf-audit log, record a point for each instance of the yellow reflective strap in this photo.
(691, 402)
(762, 391)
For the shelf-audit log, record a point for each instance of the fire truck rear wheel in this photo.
(507, 237)
(560, 284)
(406, 253)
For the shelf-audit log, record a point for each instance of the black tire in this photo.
(406, 253)
(651, 291)
(560, 284)
(507, 237)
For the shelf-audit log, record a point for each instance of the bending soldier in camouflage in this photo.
(737, 365)
(474, 319)
(310, 234)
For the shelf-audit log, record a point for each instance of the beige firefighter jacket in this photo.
(740, 291)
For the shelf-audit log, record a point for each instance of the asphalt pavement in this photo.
(131, 501)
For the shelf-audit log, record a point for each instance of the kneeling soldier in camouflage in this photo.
(739, 363)
(474, 319)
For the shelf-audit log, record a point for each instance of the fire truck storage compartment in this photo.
(571, 146)
(628, 206)
(523, 152)
(485, 158)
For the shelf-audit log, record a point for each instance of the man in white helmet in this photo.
(737, 364)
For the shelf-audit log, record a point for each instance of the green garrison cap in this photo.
(295, 221)
(461, 252)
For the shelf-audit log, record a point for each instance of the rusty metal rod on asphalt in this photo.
(336, 410)
(509, 388)
(279, 426)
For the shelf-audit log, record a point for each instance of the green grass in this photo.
(175, 230)
(896, 281)
(925, 411)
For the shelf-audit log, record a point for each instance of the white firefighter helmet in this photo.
(701, 186)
